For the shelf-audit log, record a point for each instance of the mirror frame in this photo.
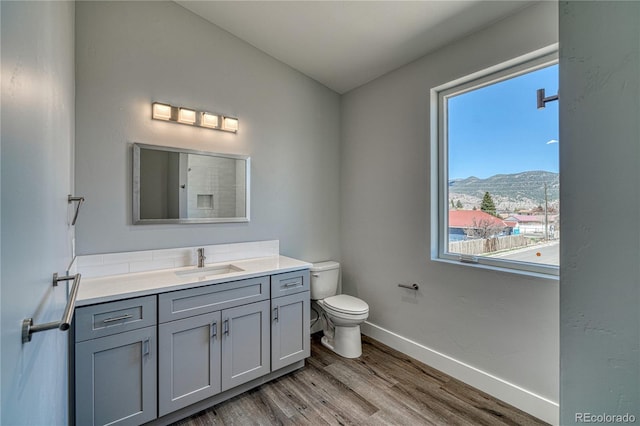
(136, 186)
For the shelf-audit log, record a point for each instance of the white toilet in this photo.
(342, 314)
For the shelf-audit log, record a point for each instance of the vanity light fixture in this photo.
(188, 116)
(161, 111)
(209, 120)
(230, 124)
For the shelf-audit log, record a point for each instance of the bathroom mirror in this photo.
(175, 185)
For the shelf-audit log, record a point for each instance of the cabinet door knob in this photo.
(227, 329)
(276, 313)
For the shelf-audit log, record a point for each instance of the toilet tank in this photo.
(324, 279)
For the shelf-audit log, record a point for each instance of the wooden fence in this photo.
(488, 245)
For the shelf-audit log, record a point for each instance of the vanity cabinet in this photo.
(137, 360)
(116, 369)
(290, 318)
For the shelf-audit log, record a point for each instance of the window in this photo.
(498, 182)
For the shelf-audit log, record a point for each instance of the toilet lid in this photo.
(346, 304)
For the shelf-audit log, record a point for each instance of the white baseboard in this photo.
(523, 399)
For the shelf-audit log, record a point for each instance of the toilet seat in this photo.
(344, 304)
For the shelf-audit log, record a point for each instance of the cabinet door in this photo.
(116, 379)
(290, 340)
(245, 343)
(189, 361)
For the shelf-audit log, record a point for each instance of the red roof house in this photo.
(471, 219)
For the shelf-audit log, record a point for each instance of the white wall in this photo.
(36, 169)
(503, 324)
(600, 162)
(129, 54)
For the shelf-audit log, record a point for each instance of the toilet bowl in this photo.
(342, 314)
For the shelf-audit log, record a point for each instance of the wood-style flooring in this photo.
(382, 387)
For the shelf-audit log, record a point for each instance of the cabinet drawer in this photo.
(114, 317)
(187, 303)
(289, 283)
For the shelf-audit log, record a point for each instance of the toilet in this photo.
(342, 314)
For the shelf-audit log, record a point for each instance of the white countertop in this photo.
(124, 286)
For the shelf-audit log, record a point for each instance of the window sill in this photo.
(525, 273)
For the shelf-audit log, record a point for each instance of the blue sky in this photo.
(498, 129)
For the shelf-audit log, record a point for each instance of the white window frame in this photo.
(439, 157)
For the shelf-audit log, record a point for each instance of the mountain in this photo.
(509, 191)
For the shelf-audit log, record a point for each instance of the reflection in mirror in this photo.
(173, 185)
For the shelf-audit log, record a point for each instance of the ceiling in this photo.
(344, 44)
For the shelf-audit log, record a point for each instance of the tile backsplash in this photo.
(99, 265)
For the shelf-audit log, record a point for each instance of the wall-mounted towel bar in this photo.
(79, 200)
(413, 286)
(28, 328)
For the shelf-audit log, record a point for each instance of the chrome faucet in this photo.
(201, 258)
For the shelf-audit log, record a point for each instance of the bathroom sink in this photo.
(209, 271)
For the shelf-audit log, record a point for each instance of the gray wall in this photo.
(36, 169)
(502, 323)
(129, 54)
(600, 163)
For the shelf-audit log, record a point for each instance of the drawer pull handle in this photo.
(276, 313)
(214, 329)
(293, 284)
(227, 329)
(145, 347)
(123, 317)
(315, 275)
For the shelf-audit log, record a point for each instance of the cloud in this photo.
(552, 141)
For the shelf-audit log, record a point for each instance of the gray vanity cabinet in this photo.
(245, 343)
(290, 318)
(189, 361)
(147, 358)
(116, 362)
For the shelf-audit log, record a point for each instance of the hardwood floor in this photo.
(382, 387)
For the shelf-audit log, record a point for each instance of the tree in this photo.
(488, 205)
(458, 205)
(488, 230)
(484, 228)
